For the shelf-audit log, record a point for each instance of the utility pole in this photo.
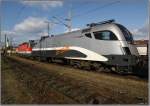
(5, 49)
(69, 19)
(48, 26)
(5, 40)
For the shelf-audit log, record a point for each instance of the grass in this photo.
(53, 84)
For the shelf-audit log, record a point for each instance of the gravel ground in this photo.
(31, 82)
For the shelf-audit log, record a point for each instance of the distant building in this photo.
(142, 46)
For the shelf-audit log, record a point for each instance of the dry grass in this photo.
(50, 83)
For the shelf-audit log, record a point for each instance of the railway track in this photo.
(76, 85)
(138, 73)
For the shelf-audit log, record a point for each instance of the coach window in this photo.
(88, 35)
(105, 35)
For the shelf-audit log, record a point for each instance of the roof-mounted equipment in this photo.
(100, 23)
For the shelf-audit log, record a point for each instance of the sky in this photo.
(23, 20)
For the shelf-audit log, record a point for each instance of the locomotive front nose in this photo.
(129, 48)
(133, 49)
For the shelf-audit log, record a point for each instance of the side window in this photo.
(88, 35)
(105, 35)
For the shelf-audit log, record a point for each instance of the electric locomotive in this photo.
(103, 45)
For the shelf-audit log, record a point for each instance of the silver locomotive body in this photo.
(108, 43)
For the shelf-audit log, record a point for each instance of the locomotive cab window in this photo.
(88, 35)
(127, 34)
(105, 35)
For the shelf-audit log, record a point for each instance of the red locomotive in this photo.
(24, 48)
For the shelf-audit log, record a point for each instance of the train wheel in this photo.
(121, 70)
(100, 69)
(75, 66)
(85, 65)
(49, 60)
(66, 62)
(38, 59)
(95, 66)
(107, 70)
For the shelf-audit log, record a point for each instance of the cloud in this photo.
(8, 32)
(29, 28)
(44, 4)
(20, 37)
(31, 25)
(73, 29)
(142, 32)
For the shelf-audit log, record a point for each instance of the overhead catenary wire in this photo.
(96, 9)
(73, 8)
(20, 12)
(87, 12)
(61, 20)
